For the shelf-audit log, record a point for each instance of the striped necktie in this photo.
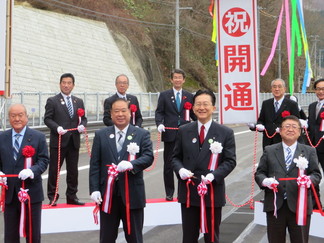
(276, 106)
(69, 106)
(16, 146)
(288, 159)
(120, 141)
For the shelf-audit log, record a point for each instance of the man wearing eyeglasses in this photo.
(272, 112)
(279, 161)
(122, 84)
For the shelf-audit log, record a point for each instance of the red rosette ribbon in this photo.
(285, 113)
(28, 152)
(112, 174)
(133, 109)
(303, 183)
(202, 190)
(80, 113)
(187, 107)
(322, 122)
(23, 197)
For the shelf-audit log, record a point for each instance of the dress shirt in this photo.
(207, 126)
(22, 133)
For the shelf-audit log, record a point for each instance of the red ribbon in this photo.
(23, 196)
(3, 189)
(127, 204)
(212, 213)
(95, 213)
(202, 190)
(189, 181)
(112, 174)
(133, 109)
(275, 190)
(213, 162)
(187, 107)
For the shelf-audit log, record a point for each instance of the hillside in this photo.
(144, 29)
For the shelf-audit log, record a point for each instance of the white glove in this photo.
(185, 174)
(269, 182)
(61, 131)
(26, 173)
(277, 130)
(260, 127)
(96, 197)
(303, 123)
(161, 128)
(3, 180)
(81, 129)
(251, 125)
(208, 178)
(124, 166)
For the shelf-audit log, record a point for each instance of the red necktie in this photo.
(202, 134)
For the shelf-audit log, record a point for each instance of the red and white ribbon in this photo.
(23, 196)
(187, 106)
(322, 125)
(275, 190)
(202, 190)
(213, 162)
(301, 211)
(28, 162)
(112, 174)
(189, 181)
(95, 213)
(187, 115)
(3, 189)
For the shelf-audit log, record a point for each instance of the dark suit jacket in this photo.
(10, 166)
(272, 164)
(104, 152)
(166, 113)
(132, 101)
(271, 119)
(187, 155)
(57, 114)
(314, 124)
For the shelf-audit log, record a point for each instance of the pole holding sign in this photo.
(238, 69)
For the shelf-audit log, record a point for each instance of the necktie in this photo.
(288, 159)
(120, 141)
(202, 134)
(16, 146)
(318, 108)
(276, 106)
(69, 106)
(178, 101)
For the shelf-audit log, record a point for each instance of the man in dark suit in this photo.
(61, 113)
(278, 161)
(191, 160)
(171, 112)
(112, 146)
(273, 110)
(315, 110)
(12, 161)
(122, 84)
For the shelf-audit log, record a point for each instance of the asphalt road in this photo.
(237, 225)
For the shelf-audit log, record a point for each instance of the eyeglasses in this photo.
(288, 126)
(122, 83)
(319, 89)
(20, 115)
(202, 104)
(277, 86)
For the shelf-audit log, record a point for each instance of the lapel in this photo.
(280, 156)
(281, 109)
(318, 118)
(9, 144)
(61, 102)
(111, 139)
(130, 137)
(194, 140)
(213, 135)
(172, 100)
(75, 105)
(298, 152)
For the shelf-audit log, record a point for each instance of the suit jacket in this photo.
(132, 101)
(271, 119)
(188, 155)
(166, 113)
(314, 124)
(57, 114)
(272, 164)
(10, 166)
(104, 152)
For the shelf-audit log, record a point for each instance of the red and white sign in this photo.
(238, 70)
(3, 16)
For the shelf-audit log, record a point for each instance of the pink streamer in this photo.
(274, 44)
(288, 31)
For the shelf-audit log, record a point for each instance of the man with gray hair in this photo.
(122, 84)
(272, 112)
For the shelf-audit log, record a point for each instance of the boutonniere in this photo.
(62, 102)
(28, 152)
(301, 162)
(80, 113)
(216, 148)
(133, 109)
(184, 97)
(285, 113)
(187, 107)
(132, 149)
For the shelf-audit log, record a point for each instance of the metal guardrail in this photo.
(35, 104)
